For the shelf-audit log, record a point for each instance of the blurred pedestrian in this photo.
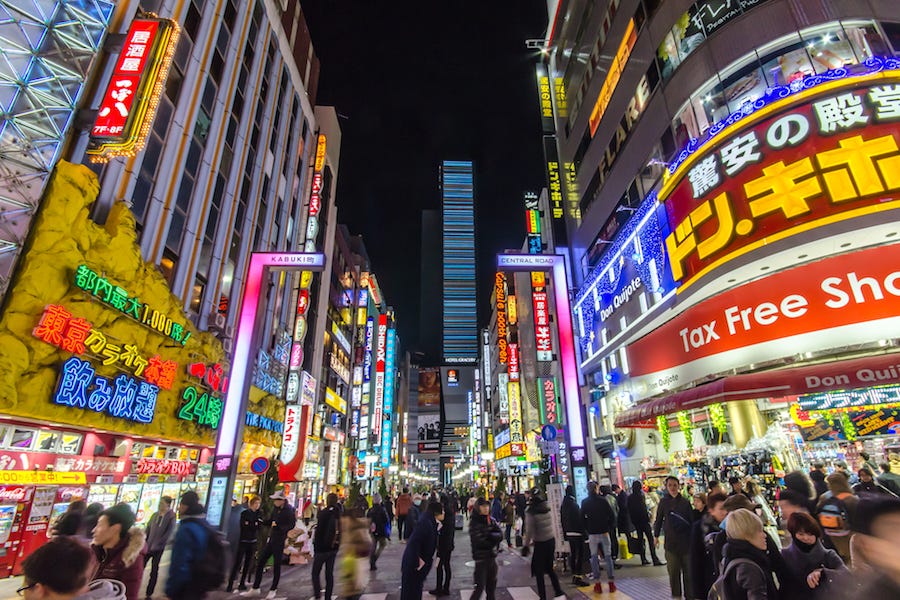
(889, 479)
(69, 523)
(789, 502)
(419, 553)
(836, 514)
(188, 550)
(818, 475)
(813, 568)
(404, 501)
(119, 548)
(698, 501)
(800, 484)
(623, 520)
(355, 546)
(497, 508)
(876, 550)
(251, 521)
(57, 570)
(509, 519)
(746, 566)
(704, 569)
(326, 541)
(159, 533)
(281, 521)
(640, 518)
(539, 532)
(573, 528)
(737, 486)
(89, 521)
(673, 519)
(485, 536)
(715, 487)
(868, 485)
(445, 546)
(412, 517)
(598, 522)
(378, 527)
(607, 494)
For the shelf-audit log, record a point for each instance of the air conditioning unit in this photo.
(228, 345)
(218, 321)
(229, 330)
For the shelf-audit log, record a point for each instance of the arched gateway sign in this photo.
(231, 428)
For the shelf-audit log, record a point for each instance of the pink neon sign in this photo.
(557, 263)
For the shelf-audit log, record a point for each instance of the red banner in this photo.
(827, 160)
(543, 339)
(843, 290)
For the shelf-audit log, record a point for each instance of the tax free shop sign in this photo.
(847, 299)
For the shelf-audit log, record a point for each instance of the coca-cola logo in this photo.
(13, 494)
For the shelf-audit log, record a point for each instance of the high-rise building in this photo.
(460, 333)
(694, 157)
(430, 290)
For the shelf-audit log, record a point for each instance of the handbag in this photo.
(635, 545)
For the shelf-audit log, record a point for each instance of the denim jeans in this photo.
(598, 542)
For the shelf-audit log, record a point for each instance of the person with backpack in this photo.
(747, 572)
(159, 532)
(836, 514)
(193, 570)
(119, 548)
(608, 495)
(378, 527)
(404, 501)
(251, 520)
(573, 528)
(485, 536)
(326, 541)
(814, 569)
(704, 568)
(639, 515)
(599, 521)
(673, 519)
(282, 520)
(539, 532)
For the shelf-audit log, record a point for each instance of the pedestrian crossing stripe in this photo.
(381, 596)
(521, 593)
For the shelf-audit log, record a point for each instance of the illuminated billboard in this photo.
(380, 363)
(129, 103)
(502, 325)
(387, 428)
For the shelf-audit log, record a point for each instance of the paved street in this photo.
(515, 581)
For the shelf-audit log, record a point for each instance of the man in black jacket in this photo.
(326, 541)
(251, 520)
(485, 535)
(573, 529)
(378, 519)
(282, 520)
(599, 521)
(674, 517)
(640, 518)
(445, 546)
(704, 569)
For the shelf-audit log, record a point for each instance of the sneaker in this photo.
(598, 588)
(558, 596)
(242, 588)
(612, 587)
(658, 563)
(645, 562)
(271, 595)
(254, 593)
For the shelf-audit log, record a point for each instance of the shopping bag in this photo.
(635, 545)
(624, 553)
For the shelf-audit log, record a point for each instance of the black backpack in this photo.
(208, 572)
(719, 589)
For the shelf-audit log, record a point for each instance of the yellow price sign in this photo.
(41, 478)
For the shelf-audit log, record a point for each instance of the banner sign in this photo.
(502, 329)
(380, 360)
(542, 335)
(548, 399)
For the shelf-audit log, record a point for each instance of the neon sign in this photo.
(117, 298)
(129, 103)
(387, 429)
(261, 422)
(201, 407)
(123, 397)
(548, 400)
(543, 339)
(146, 466)
(502, 343)
(612, 79)
(513, 362)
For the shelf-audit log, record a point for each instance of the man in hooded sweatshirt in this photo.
(119, 548)
(378, 524)
(485, 535)
(188, 548)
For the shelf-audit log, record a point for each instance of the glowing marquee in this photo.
(129, 103)
(123, 397)
(502, 330)
(780, 172)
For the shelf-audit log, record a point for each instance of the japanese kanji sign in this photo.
(129, 103)
(832, 158)
(542, 335)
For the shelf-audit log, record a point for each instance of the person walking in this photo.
(445, 546)
(378, 527)
(888, 479)
(250, 522)
(485, 535)
(673, 519)
(539, 533)
(497, 508)
(326, 541)
(404, 501)
(837, 512)
(57, 570)
(814, 569)
(573, 528)
(640, 518)
(356, 544)
(599, 521)
(419, 553)
(607, 494)
(746, 566)
(868, 485)
(188, 550)
(119, 549)
(282, 520)
(521, 505)
(704, 569)
(412, 517)
(159, 532)
(623, 520)
(69, 523)
(509, 519)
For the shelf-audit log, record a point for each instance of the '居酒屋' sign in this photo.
(829, 159)
(129, 103)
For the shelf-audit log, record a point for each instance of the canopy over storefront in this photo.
(839, 375)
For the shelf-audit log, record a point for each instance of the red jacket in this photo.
(124, 562)
(404, 501)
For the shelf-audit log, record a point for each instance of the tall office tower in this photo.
(460, 335)
(430, 282)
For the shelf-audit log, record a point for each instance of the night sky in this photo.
(415, 83)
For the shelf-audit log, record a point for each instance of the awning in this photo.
(838, 375)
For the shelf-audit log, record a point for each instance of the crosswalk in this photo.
(510, 593)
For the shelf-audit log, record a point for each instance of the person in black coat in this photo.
(674, 517)
(326, 541)
(379, 521)
(251, 519)
(282, 520)
(485, 536)
(445, 547)
(419, 553)
(818, 478)
(640, 519)
(704, 569)
(815, 570)
(752, 578)
(573, 529)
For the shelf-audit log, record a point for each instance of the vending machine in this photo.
(14, 499)
(47, 504)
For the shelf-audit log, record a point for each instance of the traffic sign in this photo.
(548, 433)
(259, 465)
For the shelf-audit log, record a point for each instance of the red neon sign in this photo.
(543, 339)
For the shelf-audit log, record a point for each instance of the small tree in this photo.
(501, 485)
(383, 490)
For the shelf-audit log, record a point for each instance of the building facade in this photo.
(674, 119)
